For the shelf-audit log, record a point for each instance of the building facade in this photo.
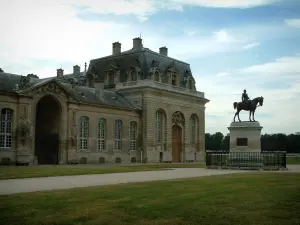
(132, 106)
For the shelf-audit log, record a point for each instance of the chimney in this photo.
(76, 70)
(60, 72)
(137, 43)
(116, 48)
(163, 51)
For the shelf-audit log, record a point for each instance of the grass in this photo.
(293, 160)
(30, 172)
(254, 198)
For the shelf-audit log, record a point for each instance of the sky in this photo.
(231, 45)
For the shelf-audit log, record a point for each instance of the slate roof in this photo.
(110, 98)
(145, 57)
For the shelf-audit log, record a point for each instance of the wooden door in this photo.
(176, 143)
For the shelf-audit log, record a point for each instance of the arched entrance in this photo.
(47, 122)
(176, 143)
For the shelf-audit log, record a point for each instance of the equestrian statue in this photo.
(248, 105)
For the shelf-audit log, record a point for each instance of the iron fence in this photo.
(246, 160)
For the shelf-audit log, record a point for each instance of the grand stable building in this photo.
(131, 106)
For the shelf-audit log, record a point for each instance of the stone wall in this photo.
(151, 100)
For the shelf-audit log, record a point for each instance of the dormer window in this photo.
(190, 85)
(133, 76)
(156, 76)
(174, 80)
(110, 78)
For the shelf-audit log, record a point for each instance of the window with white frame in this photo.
(84, 133)
(193, 129)
(159, 126)
(101, 134)
(118, 135)
(133, 134)
(6, 128)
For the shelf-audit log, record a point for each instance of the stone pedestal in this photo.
(245, 137)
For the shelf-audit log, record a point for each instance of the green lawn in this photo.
(28, 172)
(256, 198)
(293, 160)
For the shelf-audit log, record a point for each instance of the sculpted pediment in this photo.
(172, 68)
(113, 66)
(50, 87)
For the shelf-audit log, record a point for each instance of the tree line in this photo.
(269, 142)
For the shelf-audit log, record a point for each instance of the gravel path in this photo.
(13, 186)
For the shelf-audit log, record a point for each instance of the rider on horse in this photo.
(245, 98)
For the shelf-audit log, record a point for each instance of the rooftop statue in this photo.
(248, 105)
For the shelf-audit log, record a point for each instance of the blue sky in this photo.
(230, 44)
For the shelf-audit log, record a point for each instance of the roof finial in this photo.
(85, 67)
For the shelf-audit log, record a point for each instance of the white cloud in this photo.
(143, 8)
(293, 22)
(281, 103)
(140, 8)
(230, 3)
(251, 45)
(51, 31)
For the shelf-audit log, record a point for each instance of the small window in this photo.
(242, 142)
(133, 76)
(190, 85)
(111, 79)
(156, 76)
(174, 79)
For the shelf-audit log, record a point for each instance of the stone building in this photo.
(132, 106)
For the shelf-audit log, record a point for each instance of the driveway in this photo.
(13, 186)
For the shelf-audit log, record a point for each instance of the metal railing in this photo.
(246, 160)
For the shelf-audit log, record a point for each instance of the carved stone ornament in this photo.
(172, 67)
(50, 87)
(24, 126)
(73, 130)
(178, 118)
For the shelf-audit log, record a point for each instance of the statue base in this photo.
(245, 137)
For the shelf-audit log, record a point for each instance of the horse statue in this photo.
(239, 106)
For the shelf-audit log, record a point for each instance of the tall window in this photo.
(194, 124)
(159, 126)
(133, 134)
(118, 135)
(101, 134)
(84, 132)
(6, 128)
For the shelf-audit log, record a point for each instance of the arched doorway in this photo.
(47, 122)
(176, 143)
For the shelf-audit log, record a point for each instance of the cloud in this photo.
(230, 3)
(293, 22)
(251, 45)
(51, 31)
(283, 104)
(142, 9)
